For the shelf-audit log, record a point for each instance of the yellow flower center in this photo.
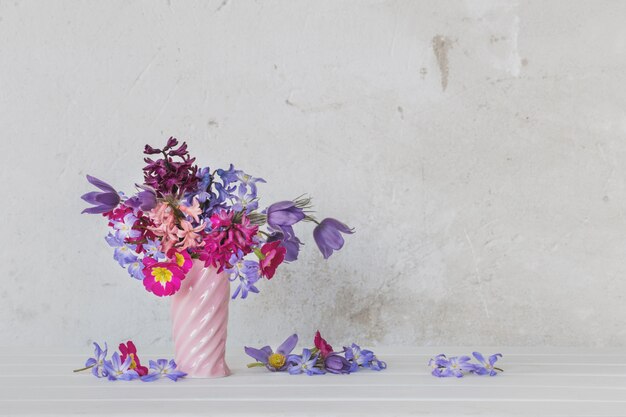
(162, 275)
(180, 259)
(133, 364)
(276, 360)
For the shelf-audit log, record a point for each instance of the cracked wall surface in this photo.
(476, 147)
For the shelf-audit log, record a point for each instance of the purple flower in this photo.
(454, 366)
(274, 361)
(163, 368)
(104, 201)
(288, 240)
(135, 269)
(153, 249)
(124, 229)
(118, 370)
(328, 237)
(284, 213)
(337, 364)
(304, 363)
(167, 176)
(487, 365)
(363, 357)
(97, 362)
(246, 271)
(144, 200)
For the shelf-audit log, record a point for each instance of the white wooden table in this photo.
(546, 382)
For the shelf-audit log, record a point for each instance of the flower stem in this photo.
(83, 369)
(255, 365)
(498, 369)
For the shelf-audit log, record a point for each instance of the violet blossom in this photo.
(327, 235)
(274, 361)
(104, 201)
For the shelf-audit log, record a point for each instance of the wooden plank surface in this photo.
(572, 383)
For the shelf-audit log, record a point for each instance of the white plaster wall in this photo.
(477, 147)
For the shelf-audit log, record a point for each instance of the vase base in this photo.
(219, 371)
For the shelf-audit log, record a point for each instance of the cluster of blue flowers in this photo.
(458, 366)
(316, 361)
(128, 367)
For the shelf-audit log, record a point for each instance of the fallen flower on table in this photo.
(126, 366)
(458, 366)
(318, 360)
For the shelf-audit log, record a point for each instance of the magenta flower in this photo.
(327, 235)
(274, 255)
(161, 278)
(104, 201)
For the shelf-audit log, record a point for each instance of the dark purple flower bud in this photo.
(328, 237)
(149, 150)
(337, 364)
(143, 200)
(171, 142)
(182, 150)
(284, 213)
(104, 201)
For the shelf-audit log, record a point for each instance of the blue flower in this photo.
(248, 273)
(97, 362)
(304, 363)
(124, 229)
(135, 269)
(152, 249)
(364, 358)
(118, 370)
(244, 201)
(163, 368)
(487, 365)
(454, 366)
(125, 254)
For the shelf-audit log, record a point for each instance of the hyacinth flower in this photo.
(104, 201)
(163, 368)
(487, 365)
(274, 361)
(117, 369)
(327, 235)
(304, 363)
(96, 364)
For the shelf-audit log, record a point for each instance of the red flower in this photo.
(322, 345)
(274, 256)
(130, 349)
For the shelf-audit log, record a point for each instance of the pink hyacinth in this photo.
(193, 211)
(162, 278)
(226, 239)
(191, 237)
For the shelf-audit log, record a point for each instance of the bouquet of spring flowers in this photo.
(183, 212)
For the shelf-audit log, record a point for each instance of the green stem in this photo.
(255, 365)
(498, 369)
(83, 369)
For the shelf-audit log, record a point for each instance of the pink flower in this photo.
(274, 256)
(182, 259)
(193, 211)
(226, 239)
(322, 345)
(129, 349)
(189, 235)
(161, 278)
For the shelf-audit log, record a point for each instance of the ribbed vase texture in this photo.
(199, 322)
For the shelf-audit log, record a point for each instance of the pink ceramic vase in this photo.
(199, 322)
